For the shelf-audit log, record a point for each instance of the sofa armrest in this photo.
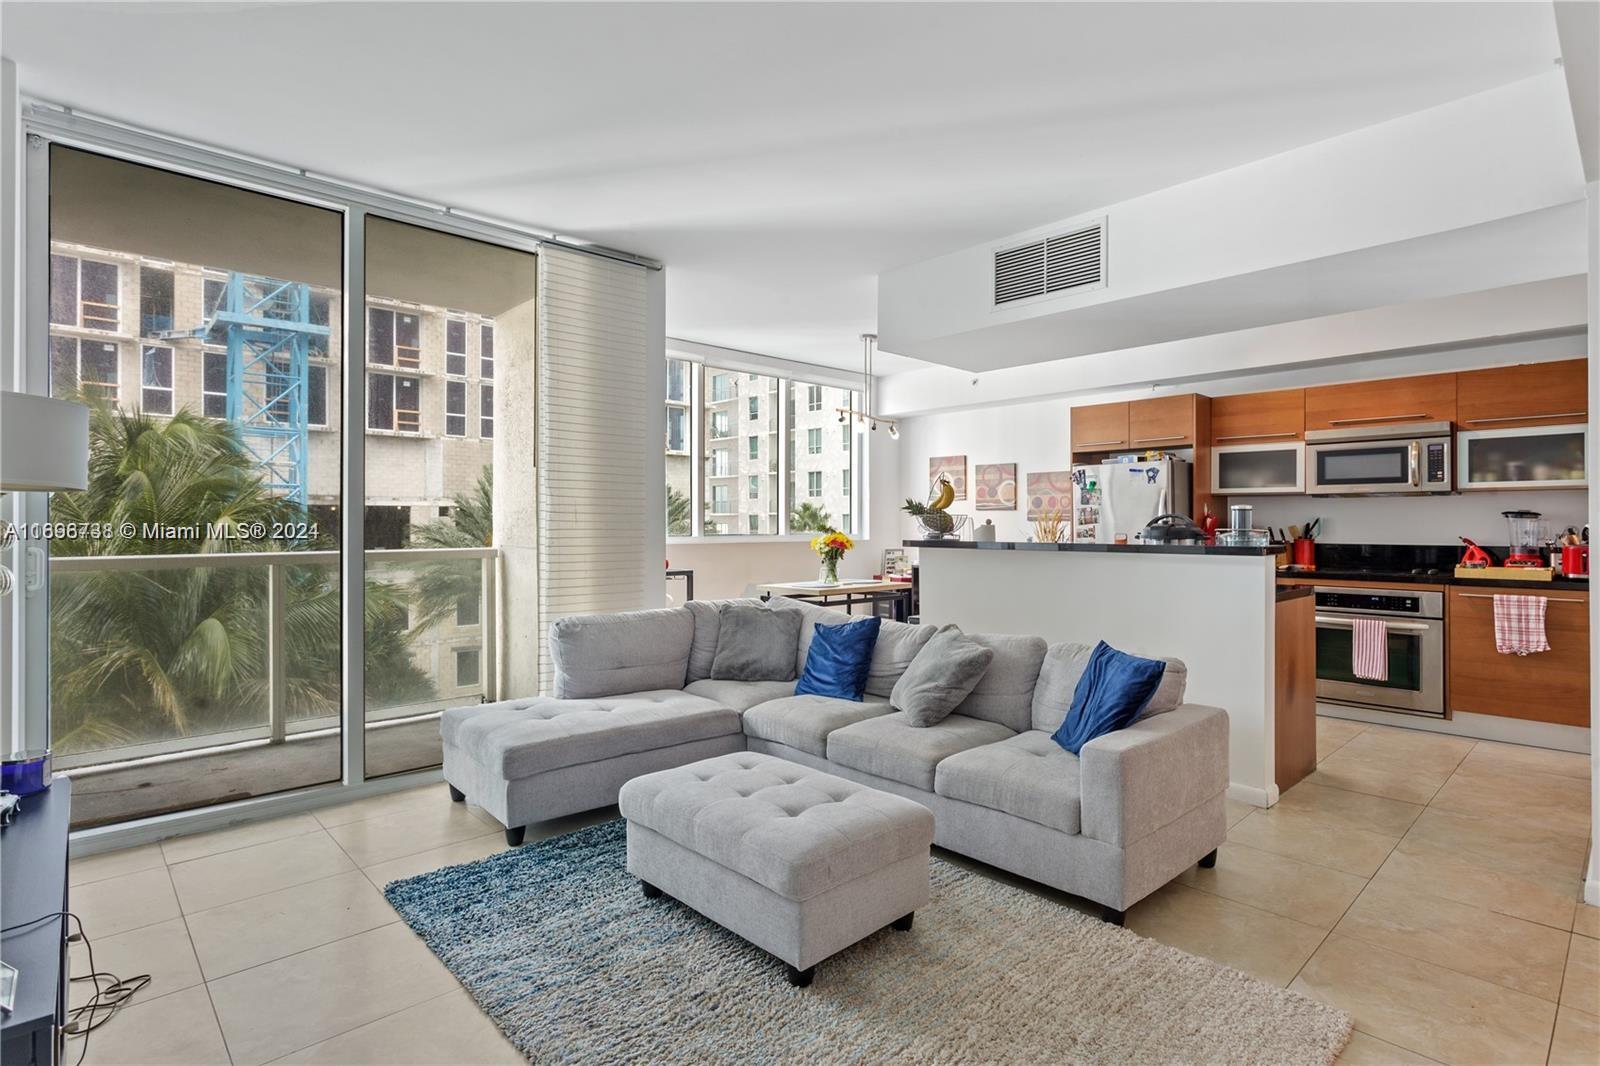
(1138, 779)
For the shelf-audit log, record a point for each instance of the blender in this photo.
(1527, 538)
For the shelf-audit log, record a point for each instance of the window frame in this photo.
(79, 320)
(110, 390)
(412, 362)
(450, 354)
(205, 393)
(451, 386)
(146, 388)
(486, 421)
(394, 407)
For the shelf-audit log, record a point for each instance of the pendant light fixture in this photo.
(869, 343)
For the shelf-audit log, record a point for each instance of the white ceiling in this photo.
(775, 157)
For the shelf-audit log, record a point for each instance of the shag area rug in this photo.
(560, 948)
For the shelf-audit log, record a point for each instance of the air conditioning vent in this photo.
(1066, 261)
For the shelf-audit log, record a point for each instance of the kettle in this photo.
(1172, 528)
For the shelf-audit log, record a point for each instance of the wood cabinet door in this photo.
(1429, 398)
(1258, 417)
(1529, 395)
(1549, 686)
(1162, 422)
(1099, 427)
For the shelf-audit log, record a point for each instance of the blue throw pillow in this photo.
(838, 660)
(1114, 688)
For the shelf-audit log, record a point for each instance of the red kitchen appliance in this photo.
(1475, 558)
(1527, 539)
(1575, 560)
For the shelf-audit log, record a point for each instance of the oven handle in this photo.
(1408, 627)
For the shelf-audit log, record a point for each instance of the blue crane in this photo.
(267, 327)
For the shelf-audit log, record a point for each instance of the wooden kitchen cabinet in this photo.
(1258, 417)
(1295, 688)
(1099, 427)
(1530, 395)
(1167, 421)
(1550, 686)
(1353, 404)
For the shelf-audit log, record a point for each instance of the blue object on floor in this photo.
(838, 661)
(1114, 688)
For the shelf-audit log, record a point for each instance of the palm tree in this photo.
(146, 654)
(677, 514)
(438, 587)
(809, 518)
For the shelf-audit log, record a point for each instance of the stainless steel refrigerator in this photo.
(1112, 499)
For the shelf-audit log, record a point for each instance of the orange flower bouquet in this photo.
(831, 545)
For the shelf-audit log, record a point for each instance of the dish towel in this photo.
(1519, 625)
(1369, 649)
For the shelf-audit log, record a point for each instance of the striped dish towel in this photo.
(1519, 625)
(1369, 649)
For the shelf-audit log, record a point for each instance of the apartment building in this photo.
(430, 376)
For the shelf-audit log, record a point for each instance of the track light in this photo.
(894, 430)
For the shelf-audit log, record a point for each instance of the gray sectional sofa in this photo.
(633, 695)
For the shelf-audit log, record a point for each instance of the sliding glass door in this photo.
(195, 602)
(449, 508)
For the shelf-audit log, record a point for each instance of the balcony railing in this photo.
(281, 611)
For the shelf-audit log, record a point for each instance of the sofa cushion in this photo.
(838, 660)
(621, 652)
(811, 616)
(1028, 775)
(706, 625)
(520, 738)
(740, 695)
(1058, 680)
(1005, 692)
(794, 830)
(898, 644)
(890, 746)
(943, 674)
(754, 643)
(804, 722)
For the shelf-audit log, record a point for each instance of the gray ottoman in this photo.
(798, 862)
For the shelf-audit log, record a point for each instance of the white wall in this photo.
(1036, 436)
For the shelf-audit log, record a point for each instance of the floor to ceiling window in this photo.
(195, 600)
(449, 339)
(773, 455)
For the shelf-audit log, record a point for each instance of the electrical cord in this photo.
(105, 1002)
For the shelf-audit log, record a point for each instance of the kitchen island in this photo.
(1212, 607)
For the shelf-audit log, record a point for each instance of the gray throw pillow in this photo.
(943, 674)
(755, 643)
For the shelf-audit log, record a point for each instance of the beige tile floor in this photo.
(1426, 884)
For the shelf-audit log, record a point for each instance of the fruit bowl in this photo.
(940, 525)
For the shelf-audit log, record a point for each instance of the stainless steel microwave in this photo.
(1409, 459)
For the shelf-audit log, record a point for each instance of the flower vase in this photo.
(829, 574)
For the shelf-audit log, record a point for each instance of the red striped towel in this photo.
(1519, 625)
(1369, 649)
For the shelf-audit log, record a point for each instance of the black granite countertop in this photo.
(1293, 592)
(1115, 549)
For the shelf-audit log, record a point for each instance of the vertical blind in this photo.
(593, 361)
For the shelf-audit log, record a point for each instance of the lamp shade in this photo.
(44, 443)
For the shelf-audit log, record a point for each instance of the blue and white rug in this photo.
(560, 948)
